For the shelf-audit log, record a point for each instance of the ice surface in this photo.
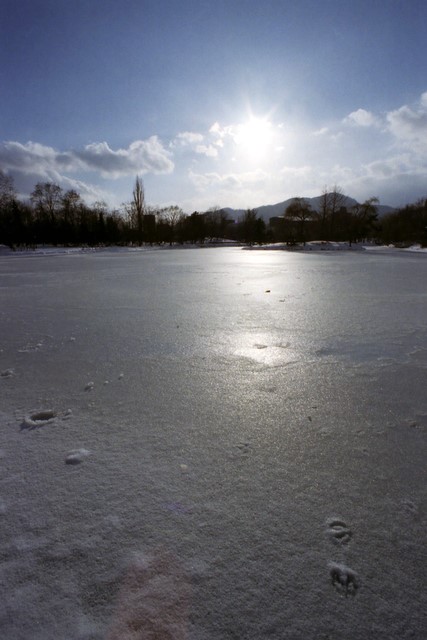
(254, 458)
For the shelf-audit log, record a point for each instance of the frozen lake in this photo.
(247, 432)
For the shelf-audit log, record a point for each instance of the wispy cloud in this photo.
(187, 138)
(207, 150)
(321, 132)
(228, 180)
(196, 142)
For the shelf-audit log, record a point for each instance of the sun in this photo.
(254, 136)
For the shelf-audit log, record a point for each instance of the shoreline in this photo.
(312, 246)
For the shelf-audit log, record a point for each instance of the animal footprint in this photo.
(39, 419)
(76, 456)
(241, 450)
(343, 579)
(410, 507)
(338, 531)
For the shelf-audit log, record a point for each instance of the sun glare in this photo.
(254, 136)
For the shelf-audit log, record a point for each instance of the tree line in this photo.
(61, 217)
(336, 220)
(57, 217)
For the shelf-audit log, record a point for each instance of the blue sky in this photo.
(215, 103)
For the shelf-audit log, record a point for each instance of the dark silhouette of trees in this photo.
(362, 221)
(251, 229)
(69, 217)
(138, 210)
(407, 225)
(7, 190)
(170, 223)
(15, 216)
(46, 199)
(195, 227)
(7, 201)
(54, 216)
(149, 225)
(217, 224)
(298, 214)
(330, 204)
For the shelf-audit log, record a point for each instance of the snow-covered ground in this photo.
(327, 245)
(213, 445)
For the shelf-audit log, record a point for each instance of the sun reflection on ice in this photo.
(261, 349)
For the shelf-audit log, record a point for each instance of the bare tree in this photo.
(364, 217)
(251, 228)
(7, 189)
(47, 199)
(330, 203)
(299, 211)
(216, 223)
(8, 211)
(170, 217)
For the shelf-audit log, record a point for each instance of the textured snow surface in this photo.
(213, 444)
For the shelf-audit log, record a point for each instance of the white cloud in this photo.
(409, 124)
(33, 162)
(34, 157)
(187, 138)
(220, 134)
(361, 118)
(207, 150)
(142, 156)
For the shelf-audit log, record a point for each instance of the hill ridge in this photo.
(268, 211)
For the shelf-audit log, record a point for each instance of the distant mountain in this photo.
(271, 210)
